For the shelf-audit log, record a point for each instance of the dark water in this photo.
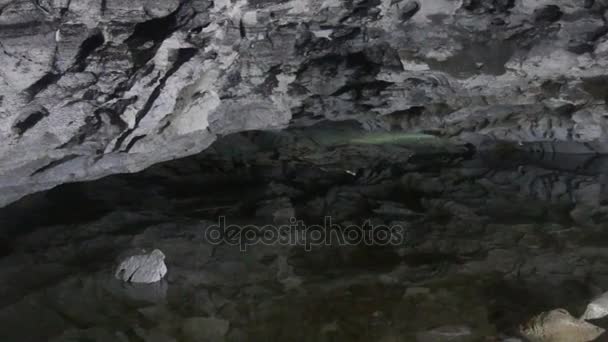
(491, 240)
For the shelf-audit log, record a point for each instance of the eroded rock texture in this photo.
(95, 87)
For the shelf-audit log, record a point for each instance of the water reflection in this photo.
(493, 240)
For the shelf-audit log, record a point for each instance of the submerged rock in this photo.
(92, 334)
(155, 292)
(447, 334)
(416, 291)
(559, 326)
(598, 308)
(145, 268)
(279, 210)
(197, 329)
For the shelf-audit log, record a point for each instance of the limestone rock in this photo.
(559, 326)
(598, 308)
(145, 268)
(91, 88)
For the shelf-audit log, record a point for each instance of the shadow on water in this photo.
(67, 204)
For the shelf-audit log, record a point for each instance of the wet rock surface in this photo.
(598, 308)
(559, 326)
(490, 242)
(142, 268)
(96, 87)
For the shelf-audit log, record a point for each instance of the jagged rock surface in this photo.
(143, 268)
(598, 308)
(95, 87)
(559, 326)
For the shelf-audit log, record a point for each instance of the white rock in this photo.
(145, 268)
(598, 308)
(559, 326)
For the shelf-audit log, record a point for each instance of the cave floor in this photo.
(486, 243)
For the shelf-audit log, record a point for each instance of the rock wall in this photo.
(95, 87)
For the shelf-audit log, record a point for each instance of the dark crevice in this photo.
(30, 121)
(124, 86)
(596, 86)
(33, 26)
(122, 138)
(152, 30)
(597, 34)
(183, 56)
(415, 111)
(363, 9)
(155, 31)
(91, 126)
(360, 60)
(91, 94)
(198, 29)
(3, 7)
(548, 14)
(329, 61)
(580, 48)
(147, 70)
(357, 89)
(242, 30)
(361, 77)
(54, 164)
(65, 9)
(346, 34)
(271, 81)
(88, 46)
(41, 85)
(488, 6)
(119, 107)
(385, 55)
(133, 142)
(154, 80)
(164, 127)
(43, 9)
(410, 9)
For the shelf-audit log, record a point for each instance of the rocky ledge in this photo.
(95, 87)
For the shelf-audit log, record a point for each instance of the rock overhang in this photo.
(98, 87)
